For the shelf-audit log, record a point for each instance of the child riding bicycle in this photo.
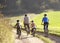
(33, 26)
(18, 26)
(45, 22)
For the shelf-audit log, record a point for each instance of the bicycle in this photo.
(27, 30)
(33, 31)
(45, 29)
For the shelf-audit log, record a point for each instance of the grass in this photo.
(54, 22)
(54, 26)
(13, 19)
(45, 39)
(6, 34)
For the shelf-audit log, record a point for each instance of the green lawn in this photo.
(45, 39)
(54, 21)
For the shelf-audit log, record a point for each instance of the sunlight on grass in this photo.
(54, 21)
(45, 39)
(21, 18)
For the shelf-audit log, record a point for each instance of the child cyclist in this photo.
(18, 26)
(33, 26)
(45, 22)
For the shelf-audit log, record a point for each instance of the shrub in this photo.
(6, 34)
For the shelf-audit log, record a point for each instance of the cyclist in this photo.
(33, 26)
(45, 21)
(26, 24)
(18, 26)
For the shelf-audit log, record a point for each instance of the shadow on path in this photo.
(52, 37)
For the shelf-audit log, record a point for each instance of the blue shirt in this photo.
(45, 19)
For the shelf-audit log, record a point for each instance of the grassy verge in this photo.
(54, 22)
(45, 39)
(6, 34)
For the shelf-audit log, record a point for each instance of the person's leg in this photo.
(17, 30)
(34, 30)
(19, 34)
(24, 26)
(47, 29)
(44, 28)
(28, 28)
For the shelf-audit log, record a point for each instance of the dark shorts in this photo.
(46, 26)
(33, 29)
(26, 25)
(18, 31)
(46, 23)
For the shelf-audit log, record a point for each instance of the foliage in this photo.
(6, 34)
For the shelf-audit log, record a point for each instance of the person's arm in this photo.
(48, 21)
